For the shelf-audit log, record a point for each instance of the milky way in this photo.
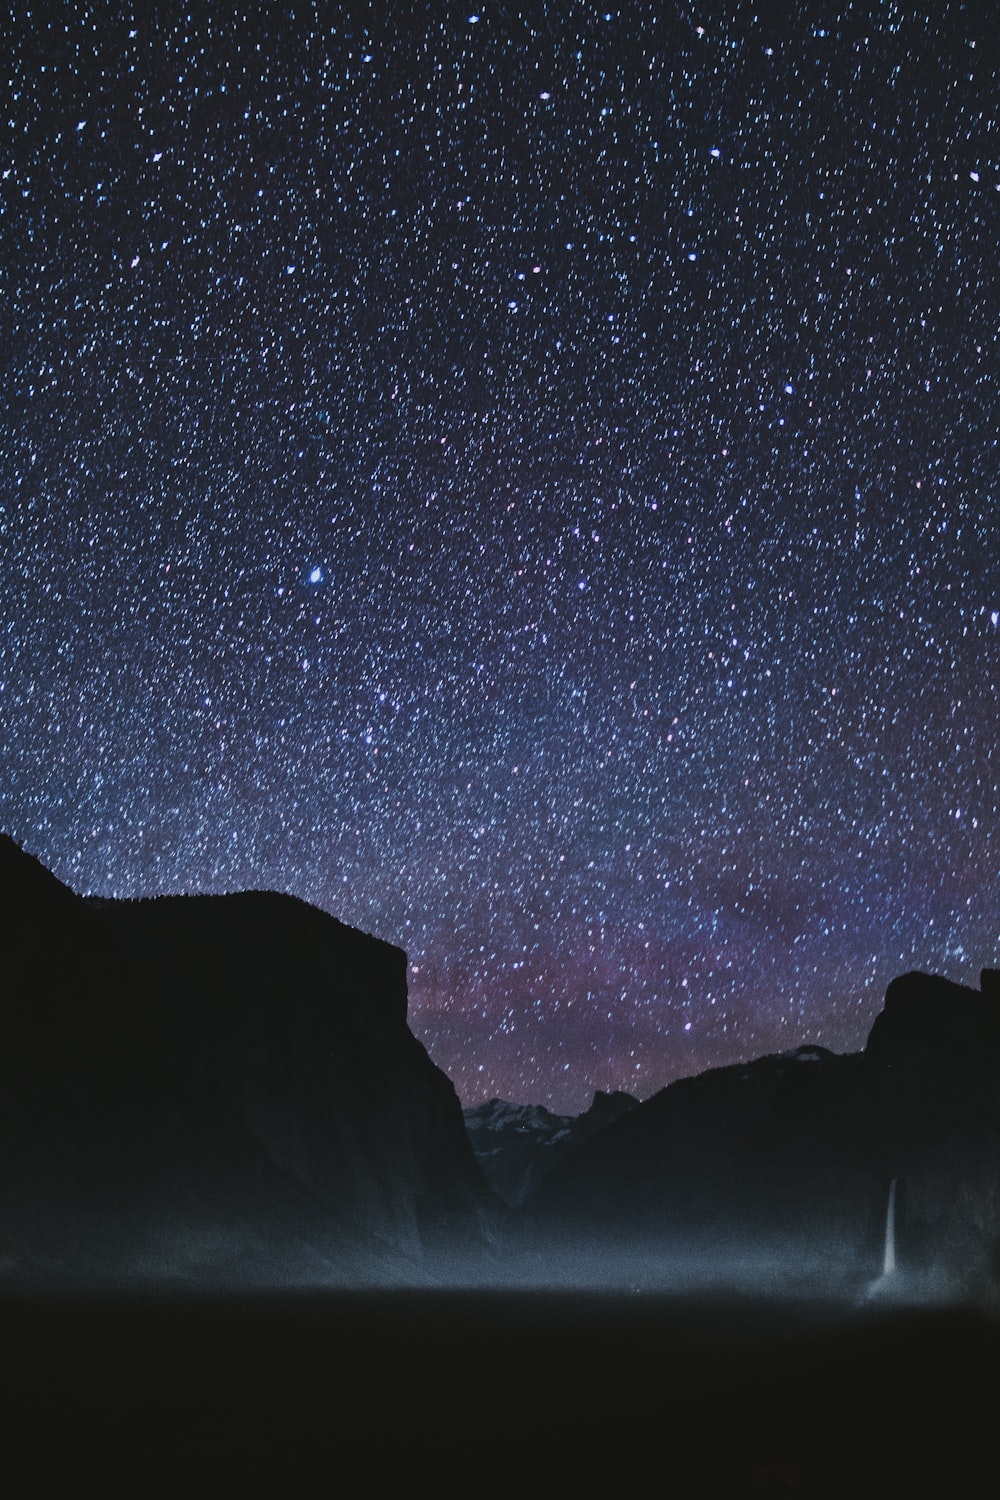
(523, 480)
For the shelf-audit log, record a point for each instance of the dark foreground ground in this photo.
(501, 1393)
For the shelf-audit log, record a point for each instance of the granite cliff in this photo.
(217, 1086)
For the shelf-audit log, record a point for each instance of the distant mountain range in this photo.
(518, 1144)
(224, 1090)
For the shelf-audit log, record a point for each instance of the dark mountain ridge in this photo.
(790, 1157)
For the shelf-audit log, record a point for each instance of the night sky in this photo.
(523, 479)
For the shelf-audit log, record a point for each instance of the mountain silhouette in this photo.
(788, 1159)
(226, 1088)
(223, 1093)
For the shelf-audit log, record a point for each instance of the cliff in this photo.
(298, 1023)
(216, 1086)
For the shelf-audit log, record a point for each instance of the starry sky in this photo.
(523, 479)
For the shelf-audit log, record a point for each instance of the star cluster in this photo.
(523, 479)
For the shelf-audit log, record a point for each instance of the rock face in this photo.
(929, 1025)
(795, 1153)
(934, 1053)
(298, 1024)
(189, 1075)
(518, 1144)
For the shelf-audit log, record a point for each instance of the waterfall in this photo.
(890, 1285)
(889, 1254)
